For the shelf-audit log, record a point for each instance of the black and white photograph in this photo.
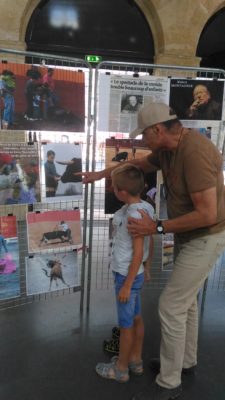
(131, 103)
(61, 163)
(51, 272)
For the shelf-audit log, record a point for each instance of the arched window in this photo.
(114, 29)
(211, 45)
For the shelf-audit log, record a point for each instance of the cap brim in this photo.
(136, 133)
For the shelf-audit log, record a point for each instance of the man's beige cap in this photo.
(151, 114)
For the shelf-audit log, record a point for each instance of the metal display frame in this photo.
(158, 70)
(20, 211)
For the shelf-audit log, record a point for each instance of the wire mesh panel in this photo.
(124, 78)
(64, 127)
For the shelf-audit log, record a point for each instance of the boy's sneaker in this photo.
(111, 346)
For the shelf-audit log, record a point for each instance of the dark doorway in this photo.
(211, 45)
(116, 30)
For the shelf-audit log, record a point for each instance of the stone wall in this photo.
(176, 26)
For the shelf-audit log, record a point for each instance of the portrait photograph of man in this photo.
(196, 99)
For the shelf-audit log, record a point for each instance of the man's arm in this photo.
(65, 162)
(204, 214)
(124, 292)
(90, 177)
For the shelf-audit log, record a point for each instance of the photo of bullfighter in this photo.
(61, 163)
(51, 230)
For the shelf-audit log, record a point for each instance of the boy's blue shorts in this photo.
(127, 311)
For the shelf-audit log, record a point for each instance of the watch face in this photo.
(159, 227)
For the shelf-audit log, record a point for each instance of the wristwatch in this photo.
(159, 227)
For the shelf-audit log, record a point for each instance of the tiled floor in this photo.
(47, 352)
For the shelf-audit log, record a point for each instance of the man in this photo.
(63, 226)
(203, 107)
(132, 105)
(192, 168)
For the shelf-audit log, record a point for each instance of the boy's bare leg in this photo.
(126, 343)
(137, 345)
(131, 343)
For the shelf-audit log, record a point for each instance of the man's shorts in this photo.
(127, 311)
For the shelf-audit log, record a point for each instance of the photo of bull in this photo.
(122, 156)
(72, 167)
(55, 273)
(63, 236)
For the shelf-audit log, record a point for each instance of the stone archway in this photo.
(211, 44)
(112, 16)
(28, 11)
(153, 19)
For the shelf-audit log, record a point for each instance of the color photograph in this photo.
(51, 272)
(52, 230)
(61, 162)
(41, 98)
(19, 174)
(167, 252)
(118, 151)
(197, 99)
(9, 259)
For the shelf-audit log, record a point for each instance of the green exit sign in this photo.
(93, 59)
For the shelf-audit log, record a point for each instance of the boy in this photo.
(128, 256)
(51, 176)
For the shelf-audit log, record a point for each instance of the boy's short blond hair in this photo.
(130, 178)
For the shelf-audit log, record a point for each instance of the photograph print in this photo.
(167, 251)
(19, 173)
(9, 259)
(39, 98)
(50, 272)
(61, 163)
(197, 99)
(117, 151)
(131, 103)
(51, 230)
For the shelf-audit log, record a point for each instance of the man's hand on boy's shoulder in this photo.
(141, 227)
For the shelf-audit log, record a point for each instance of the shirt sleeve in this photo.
(134, 214)
(201, 170)
(153, 159)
